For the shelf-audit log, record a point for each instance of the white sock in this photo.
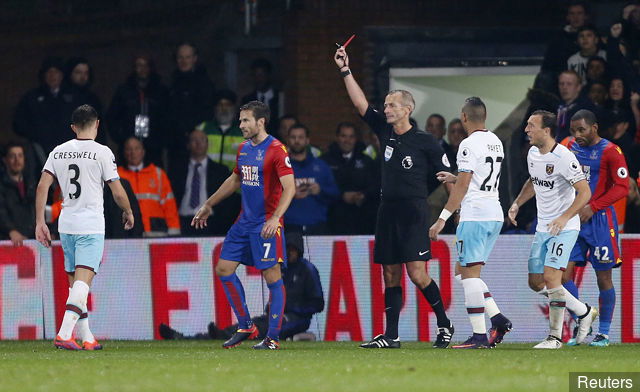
(75, 303)
(474, 301)
(574, 304)
(84, 333)
(557, 304)
(490, 306)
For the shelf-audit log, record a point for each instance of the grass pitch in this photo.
(300, 366)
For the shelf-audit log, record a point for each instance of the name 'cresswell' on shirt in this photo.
(74, 155)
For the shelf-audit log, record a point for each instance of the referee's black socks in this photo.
(432, 295)
(393, 306)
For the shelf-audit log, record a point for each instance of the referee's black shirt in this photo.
(408, 160)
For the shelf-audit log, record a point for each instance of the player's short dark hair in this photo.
(348, 124)
(10, 145)
(549, 120)
(589, 27)
(306, 130)
(475, 109)
(83, 116)
(405, 97)
(259, 110)
(587, 115)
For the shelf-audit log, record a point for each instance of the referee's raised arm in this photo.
(355, 92)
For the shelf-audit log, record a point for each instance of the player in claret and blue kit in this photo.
(263, 173)
(606, 171)
(561, 191)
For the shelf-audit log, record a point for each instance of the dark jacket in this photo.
(558, 51)
(45, 119)
(17, 212)
(224, 213)
(113, 226)
(304, 290)
(128, 102)
(190, 102)
(355, 174)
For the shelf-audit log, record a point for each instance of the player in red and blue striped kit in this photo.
(263, 173)
(606, 170)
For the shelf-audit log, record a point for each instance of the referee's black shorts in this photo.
(402, 232)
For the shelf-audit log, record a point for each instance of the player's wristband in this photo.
(445, 214)
(346, 73)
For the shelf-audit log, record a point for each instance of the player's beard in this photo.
(251, 133)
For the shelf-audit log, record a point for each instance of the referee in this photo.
(402, 227)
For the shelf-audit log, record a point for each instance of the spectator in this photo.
(618, 132)
(588, 41)
(79, 75)
(139, 109)
(597, 70)
(284, 123)
(191, 94)
(618, 104)
(223, 131)
(597, 93)
(436, 126)
(17, 197)
(438, 198)
(315, 187)
(153, 191)
(562, 45)
(43, 114)
(113, 228)
(456, 134)
(355, 175)
(570, 86)
(304, 299)
(261, 72)
(193, 180)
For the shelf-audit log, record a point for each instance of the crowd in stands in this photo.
(177, 143)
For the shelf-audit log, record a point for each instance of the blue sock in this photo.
(607, 304)
(571, 287)
(235, 294)
(277, 298)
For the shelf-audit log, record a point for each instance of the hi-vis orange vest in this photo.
(155, 196)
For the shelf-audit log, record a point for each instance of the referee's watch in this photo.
(346, 73)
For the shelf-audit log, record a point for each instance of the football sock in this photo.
(76, 301)
(570, 287)
(474, 301)
(277, 298)
(235, 294)
(607, 304)
(557, 304)
(490, 306)
(432, 294)
(574, 305)
(84, 333)
(393, 306)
